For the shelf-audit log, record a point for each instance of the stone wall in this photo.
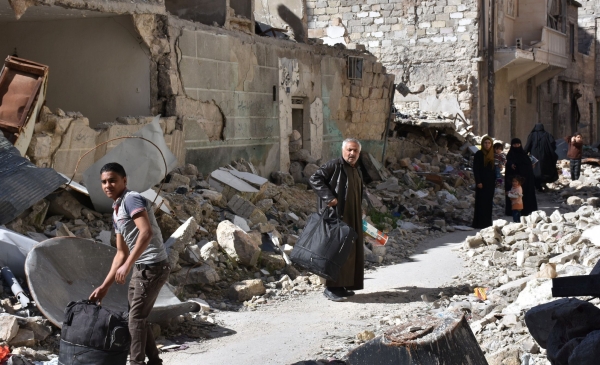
(432, 46)
(233, 94)
(61, 139)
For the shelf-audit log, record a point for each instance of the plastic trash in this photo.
(379, 236)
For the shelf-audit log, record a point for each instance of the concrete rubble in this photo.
(505, 290)
(226, 232)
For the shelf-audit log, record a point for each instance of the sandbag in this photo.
(324, 245)
(94, 335)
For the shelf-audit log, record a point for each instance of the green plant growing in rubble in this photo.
(421, 184)
(381, 219)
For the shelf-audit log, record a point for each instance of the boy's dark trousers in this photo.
(146, 282)
(575, 169)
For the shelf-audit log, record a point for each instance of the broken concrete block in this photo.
(173, 259)
(40, 331)
(215, 198)
(232, 185)
(244, 208)
(8, 328)
(302, 156)
(190, 275)
(66, 205)
(264, 205)
(183, 236)
(272, 261)
(245, 290)
(38, 215)
(372, 166)
(296, 169)
(23, 338)
(192, 254)
(179, 180)
(310, 169)
(190, 169)
(564, 257)
(252, 179)
(210, 251)
(282, 178)
(238, 245)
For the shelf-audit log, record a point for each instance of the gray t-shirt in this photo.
(128, 205)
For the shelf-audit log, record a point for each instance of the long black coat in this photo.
(524, 169)
(331, 182)
(542, 146)
(484, 197)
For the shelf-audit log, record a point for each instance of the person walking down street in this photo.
(542, 146)
(574, 154)
(485, 184)
(516, 198)
(519, 164)
(139, 248)
(339, 184)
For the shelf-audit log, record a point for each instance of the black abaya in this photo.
(484, 197)
(523, 168)
(541, 144)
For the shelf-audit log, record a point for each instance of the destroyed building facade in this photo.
(544, 58)
(224, 92)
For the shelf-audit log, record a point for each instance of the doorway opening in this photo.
(555, 123)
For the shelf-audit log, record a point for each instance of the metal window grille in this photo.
(355, 68)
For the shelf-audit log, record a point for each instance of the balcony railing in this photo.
(553, 48)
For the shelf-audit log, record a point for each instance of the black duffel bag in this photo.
(324, 245)
(93, 335)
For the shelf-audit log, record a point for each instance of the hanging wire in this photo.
(126, 137)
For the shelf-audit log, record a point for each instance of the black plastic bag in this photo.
(94, 335)
(324, 245)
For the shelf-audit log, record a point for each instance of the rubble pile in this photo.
(508, 274)
(456, 124)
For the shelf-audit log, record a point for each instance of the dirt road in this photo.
(300, 329)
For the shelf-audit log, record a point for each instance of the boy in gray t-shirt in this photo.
(139, 248)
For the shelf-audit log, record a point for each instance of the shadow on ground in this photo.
(408, 294)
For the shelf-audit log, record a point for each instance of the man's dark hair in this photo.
(498, 145)
(577, 134)
(113, 167)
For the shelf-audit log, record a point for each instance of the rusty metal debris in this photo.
(22, 95)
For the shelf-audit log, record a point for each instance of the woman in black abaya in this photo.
(542, 146)
(485, 184)
(519, 164)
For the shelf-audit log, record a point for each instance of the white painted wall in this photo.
(97, 65)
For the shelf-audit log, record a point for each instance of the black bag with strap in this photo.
(94, 335)
(324, 245)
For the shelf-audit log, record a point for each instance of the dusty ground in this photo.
(311, 327)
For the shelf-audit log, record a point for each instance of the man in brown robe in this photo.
(338, 183)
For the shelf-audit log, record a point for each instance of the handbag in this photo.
(324, 245)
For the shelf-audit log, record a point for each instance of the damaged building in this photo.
(231, 80)
(542, 68)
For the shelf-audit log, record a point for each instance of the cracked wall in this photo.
(61, 139)
(97, 65)
(107, 6)
(432, 46)
(246, 84)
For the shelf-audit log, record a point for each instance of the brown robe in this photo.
(353, 272)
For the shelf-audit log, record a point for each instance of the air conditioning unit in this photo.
(519, 43)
